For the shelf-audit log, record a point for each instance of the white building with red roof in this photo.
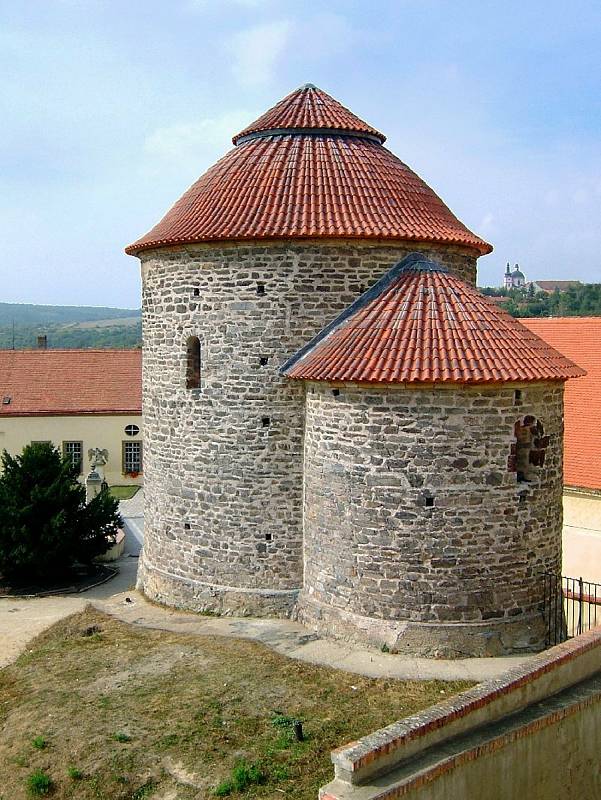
(77, 400)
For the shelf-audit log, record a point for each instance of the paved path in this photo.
(21, 620)
(132, 512)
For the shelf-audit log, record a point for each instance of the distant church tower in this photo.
(515, 279)
(271, 243)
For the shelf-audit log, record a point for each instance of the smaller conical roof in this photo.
(421, 324)
(305, 110)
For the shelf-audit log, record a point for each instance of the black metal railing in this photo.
(571, 607)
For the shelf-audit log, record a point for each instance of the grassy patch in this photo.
(123, 492)
(39, 742)
(39, 784)
(147, 714)
(75, 773)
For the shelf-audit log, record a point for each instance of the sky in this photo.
(110, 109)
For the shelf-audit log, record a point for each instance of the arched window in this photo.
(528, 449)
(193, 363)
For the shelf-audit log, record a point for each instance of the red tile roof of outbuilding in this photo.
(330, 178)
(421, 324)
(579, 338)
(70, 382)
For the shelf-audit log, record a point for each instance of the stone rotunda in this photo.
(272, 243)
(433, 469)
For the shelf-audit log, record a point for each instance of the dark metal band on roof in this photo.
(414, 262)
(309, 132)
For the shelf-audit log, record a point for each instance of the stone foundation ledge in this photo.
(207, 598)
(515, 636)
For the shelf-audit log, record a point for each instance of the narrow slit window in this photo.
(193, 363)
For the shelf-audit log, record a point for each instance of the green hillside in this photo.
(28, 314)
(582, 300)
(69, 326)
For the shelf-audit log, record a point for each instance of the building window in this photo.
(132, 458)
(74, 451)
(528, 449)
(132, 430)
(193, 363)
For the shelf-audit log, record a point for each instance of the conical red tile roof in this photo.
(309, 109)
(421, 324)
(309, 168)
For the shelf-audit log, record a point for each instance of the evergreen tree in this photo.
(45, 524)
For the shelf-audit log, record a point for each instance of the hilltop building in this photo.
(338, 426)
(514, 279)
(77, 400)
(553, 286)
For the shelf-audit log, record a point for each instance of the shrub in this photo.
(39, 783)
(45, 524)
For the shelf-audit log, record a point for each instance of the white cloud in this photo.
(256, 51)
(193, 146)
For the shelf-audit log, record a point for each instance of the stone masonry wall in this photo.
(223, 463)
(417, 532)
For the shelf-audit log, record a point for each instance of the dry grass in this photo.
(126, 714)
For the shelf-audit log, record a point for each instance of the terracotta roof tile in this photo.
(309, 108)
(420, 323)
(578, 338)
(301, 185)
(68, 382)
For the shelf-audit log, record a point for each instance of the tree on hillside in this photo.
(45, 525)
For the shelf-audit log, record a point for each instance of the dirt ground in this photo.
(107, 711)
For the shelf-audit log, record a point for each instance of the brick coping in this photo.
(360, 754)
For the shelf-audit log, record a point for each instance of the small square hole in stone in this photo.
(265, 422)
(336, 392)
(429, 502)
(186, 526)
(260, 288)
(268, 537)
(263, 361)
(197, 292)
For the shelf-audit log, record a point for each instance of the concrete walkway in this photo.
(132, 512)
(21, 620)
